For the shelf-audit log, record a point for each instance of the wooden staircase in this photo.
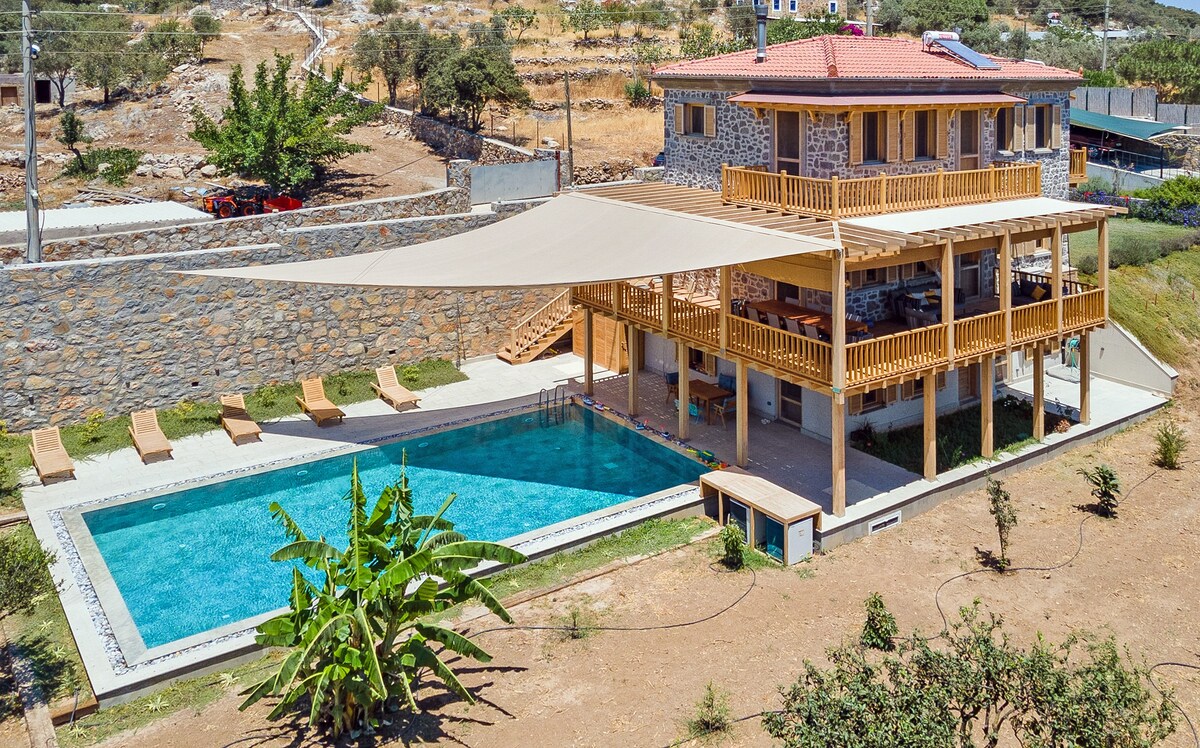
(540, 330)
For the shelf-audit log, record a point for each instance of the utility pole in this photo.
(33, 229)
(870, 15)
(570, 140)
(1104, 44)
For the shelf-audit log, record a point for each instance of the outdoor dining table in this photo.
(806, 316)
(707, 393)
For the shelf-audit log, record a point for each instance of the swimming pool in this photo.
(198, 559)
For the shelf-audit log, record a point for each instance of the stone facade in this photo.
(232, 232)
(694, 160)
(128, 332)
(742, 139)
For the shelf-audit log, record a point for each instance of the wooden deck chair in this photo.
(50, 458)
(148, 438)
(391, 391)
(315, 404)
(236, 420)
(725, 407)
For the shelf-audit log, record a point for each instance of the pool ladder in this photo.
(553, 402)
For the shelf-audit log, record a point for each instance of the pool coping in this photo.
(115, 657)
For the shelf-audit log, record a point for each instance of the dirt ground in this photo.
(1134, 577)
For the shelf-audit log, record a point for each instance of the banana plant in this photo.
(358, 627)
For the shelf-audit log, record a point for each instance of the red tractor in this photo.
(248, 201)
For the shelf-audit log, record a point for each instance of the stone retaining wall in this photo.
(456, 142)
(232, 232)
(128, 332)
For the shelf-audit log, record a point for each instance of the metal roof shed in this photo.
(64, 223)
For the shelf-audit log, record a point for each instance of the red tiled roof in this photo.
(853, 57)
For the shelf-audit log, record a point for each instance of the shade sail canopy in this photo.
(907, 101)
(574, 239)
(916, 221)
(1136, 129)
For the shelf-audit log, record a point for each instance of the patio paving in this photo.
(778, 452)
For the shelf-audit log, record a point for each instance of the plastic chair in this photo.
(693, 411)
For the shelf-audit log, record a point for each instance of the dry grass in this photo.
(601, 135)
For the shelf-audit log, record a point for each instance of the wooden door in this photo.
(968, 140)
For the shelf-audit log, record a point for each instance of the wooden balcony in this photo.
(1077, 173)
(836, 198)
(869, 363)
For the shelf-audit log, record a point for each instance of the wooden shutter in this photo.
(679, 119)
(1056, 127)
(908, 390)
(710, 121)
(1031, 132)
(854, 404)
(910, 125)
(893, 137)
(1018, 137)
(893, 273)
(941, 380)
(854, 121)
(943, 130)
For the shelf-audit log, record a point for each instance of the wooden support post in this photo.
(723, 304)
(589, 350)
(838, 422)
(1056, 278)
(948, 296)
(1006, 278)
(1085, 378)
(833, 197)
(1039, 392)
(987, 401)
(837, 437)
(1102, 259)
(930, 402)
(684, 390)
(742, 400)
(668, 296)
(634, 364)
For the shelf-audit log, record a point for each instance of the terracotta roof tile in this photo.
(875, 57)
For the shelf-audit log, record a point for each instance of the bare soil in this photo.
(1133, 577)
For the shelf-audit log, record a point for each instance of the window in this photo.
(915, 388)
(696, 119)
(792, 5)
(787, 142)
(1004, 130)
(924, 134)
(869, 401)
(776, 5)
(1043, 126)
(874, 137)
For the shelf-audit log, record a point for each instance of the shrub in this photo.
(24, 574)
(637, 93)
(879, 629)
(1132, 250)
(713, 715)
(1175, 193)
(1088, 265)
(1171, 443)
(91, 427)
(1001, 508)
(118, 164)
(733, 542)
(410, 374)
(1106, 487)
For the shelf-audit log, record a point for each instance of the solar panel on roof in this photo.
(966, 54)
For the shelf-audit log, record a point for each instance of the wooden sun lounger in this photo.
(315, 404)
(391, 391)
(236, 420)
(50, 458)
(148, 438)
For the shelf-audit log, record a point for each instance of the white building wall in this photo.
(817, 410)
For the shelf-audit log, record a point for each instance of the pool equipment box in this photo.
(775, 520)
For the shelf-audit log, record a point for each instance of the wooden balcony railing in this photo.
(845, 198)
(893, 355)
(867, 362)
(976, 335)
(1077, 172)
(1033, 321)
(768, 345)
(1084, 309)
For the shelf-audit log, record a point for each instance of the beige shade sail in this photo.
(573, 239)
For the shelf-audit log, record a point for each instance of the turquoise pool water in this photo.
(199, 559)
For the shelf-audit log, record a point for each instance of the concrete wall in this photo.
(1127, 180)
(232, 232)
(121, 333)
(1117, 355)
(817, 410)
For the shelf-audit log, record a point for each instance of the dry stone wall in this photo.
(232, 232)
(121, 333)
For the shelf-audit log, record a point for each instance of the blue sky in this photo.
(1189, 4)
